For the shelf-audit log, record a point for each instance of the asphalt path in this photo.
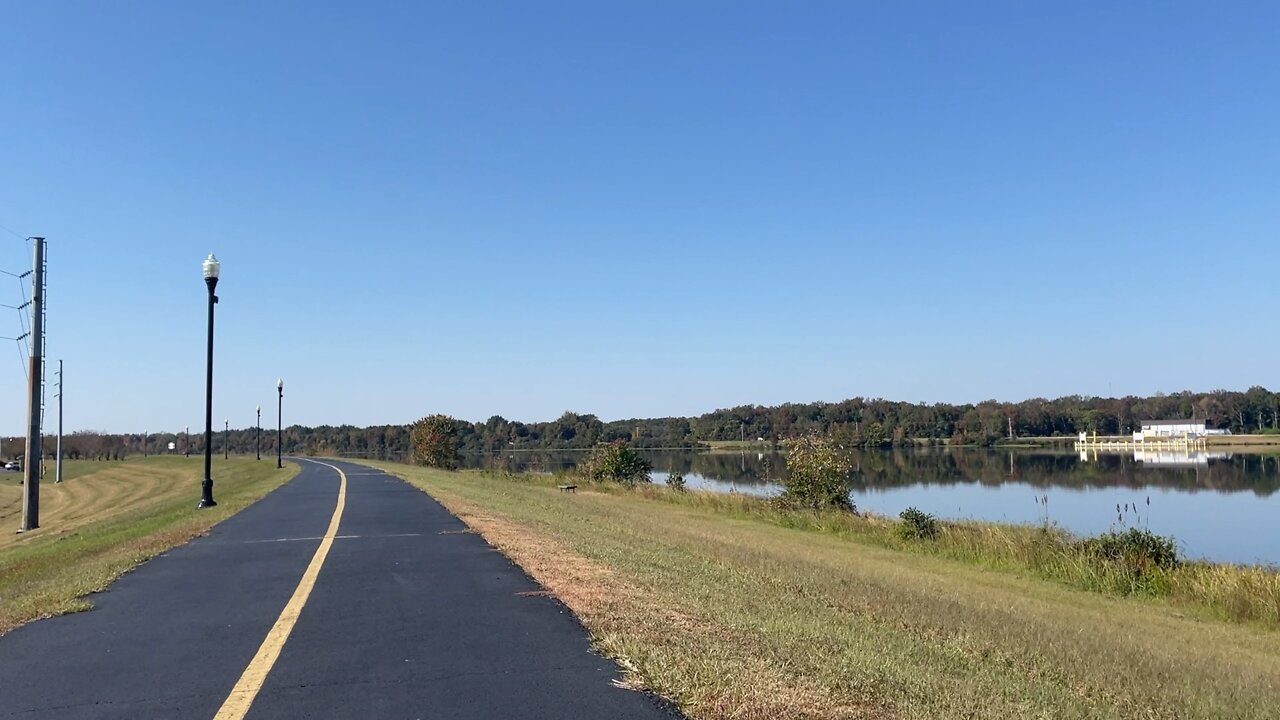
(409, 617)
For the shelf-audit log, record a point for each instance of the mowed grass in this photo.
(107, 517)
(737, 617)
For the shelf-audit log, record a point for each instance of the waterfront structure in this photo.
(1156, 435)
(1139, 441)
(1171, 429)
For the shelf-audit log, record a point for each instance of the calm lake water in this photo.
(1218, 506)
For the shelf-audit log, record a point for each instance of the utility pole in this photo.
(57, 475)
(35, 397)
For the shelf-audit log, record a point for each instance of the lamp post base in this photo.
(206, 497)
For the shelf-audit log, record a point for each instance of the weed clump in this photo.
(675, 480)
(917, 525)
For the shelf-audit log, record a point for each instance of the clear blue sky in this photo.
(638, 209)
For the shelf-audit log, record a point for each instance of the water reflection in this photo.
(1222, 472)
(1209, 501)
(1165, 458)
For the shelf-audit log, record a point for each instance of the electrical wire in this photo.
(23, 319)
(23, 341)
(26, 373)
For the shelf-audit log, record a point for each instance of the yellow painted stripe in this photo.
(242, 695)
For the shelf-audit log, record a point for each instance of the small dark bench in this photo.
(568, 488)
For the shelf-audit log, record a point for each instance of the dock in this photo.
(1134, 443)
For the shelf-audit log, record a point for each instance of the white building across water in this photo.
(1174, 429)
(1182, 435)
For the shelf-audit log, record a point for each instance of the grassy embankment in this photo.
(107, 517)
(720, 605)
(1264, 443)
(739, 445)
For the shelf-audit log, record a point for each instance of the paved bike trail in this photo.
(409, 618)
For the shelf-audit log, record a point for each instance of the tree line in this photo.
(856, 422)
(389, 441)
(875, 421)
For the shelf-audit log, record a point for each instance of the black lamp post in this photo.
(226, 439)
(279, 424)
(257, 434)
(186, 441)
(211, 268)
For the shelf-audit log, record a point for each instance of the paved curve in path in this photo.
(407, 619)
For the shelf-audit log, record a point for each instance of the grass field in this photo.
(735, 617)
(1238, 443)
(738, 445)
(106, 518)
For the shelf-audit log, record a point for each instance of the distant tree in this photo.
(873, 436)
(817, 475)
(435, 442)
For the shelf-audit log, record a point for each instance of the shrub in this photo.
(616, 462)
(435, 442)
(917, 525)
(817, 476)
(675, 480)
(1136, 549)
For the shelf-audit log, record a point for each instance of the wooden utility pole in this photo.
(35, 398)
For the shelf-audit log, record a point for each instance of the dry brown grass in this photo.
(736, 617)
(98, 491)
(622, 618)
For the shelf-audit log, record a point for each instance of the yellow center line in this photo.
(236, 706)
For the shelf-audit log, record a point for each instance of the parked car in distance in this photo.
(13, 465)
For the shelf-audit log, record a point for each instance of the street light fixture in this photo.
(226, 439)
(257, 434)
(211, 268)
(279, 424)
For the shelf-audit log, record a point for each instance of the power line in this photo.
(22, 342)
(22, 317)
(11, 232)
(22, 360)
